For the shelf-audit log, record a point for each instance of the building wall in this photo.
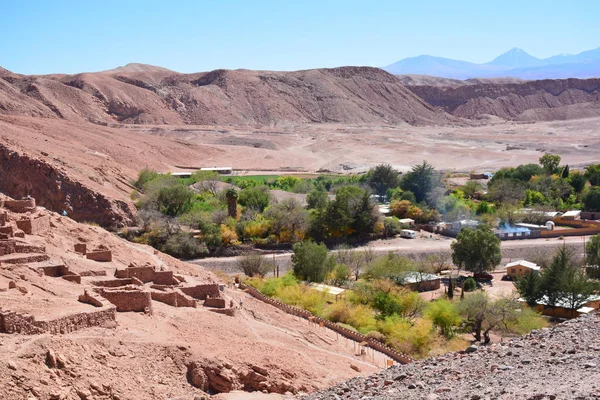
(425, 285)
(20, 206)
(129, 300)
(201, 292)
(517, 271)
(103, 255)
(216, 303)
(34, 226)
(13, 322)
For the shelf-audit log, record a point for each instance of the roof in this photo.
(572, 213)
(417, 277)
(564, 303)
(585, 310)
(327, 289)
(523, 263)
(406, 220)
(215, 168)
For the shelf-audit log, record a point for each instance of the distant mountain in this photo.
(514, 63)
(136, 67)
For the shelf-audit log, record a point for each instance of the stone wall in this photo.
(72, 278)
(347, 333)
(20, 206)
(34, 226)
(144, 274)
(13, 322)
(147, 274)
(100, 255)
(163, 278)
(3, 218)
(80, 248)
(215, 302)
(113, 283)
(201, 292)
(129, 300)
(55, 271)
(174, 298)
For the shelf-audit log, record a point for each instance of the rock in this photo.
(197, 377)
(22, 289)
(11, 365)
(471, 349)
(589, 365)
(526, 362)
(354, 367)
(12, 285)
(412, 386)
(50, 359)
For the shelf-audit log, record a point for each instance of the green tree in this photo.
(591, 200)
(592, 251)
(484, 315)
(577, 180)
(530, 288)
(550, 162)
(421, 180)
(289, 220)
(174, 200)
(444, 315)
(471, 188)
(592, 173)
(311, 262)
(565, 172)
(352, 213)
(381, 178)
(256, 197)
(476, 250)
(317, 199)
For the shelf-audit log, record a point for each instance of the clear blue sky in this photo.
(39, 36)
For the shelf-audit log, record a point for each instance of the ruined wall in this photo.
(216, 303)
(201, 292)
(129, 300)
(13, 322)
(20, 206)
(34, 226)
(174, 298)
(53, 189)
(144, 274)
(163, 278)
(101, 255)
(80, 248)
(113, 283)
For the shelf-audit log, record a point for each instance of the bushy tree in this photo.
(444, 315)
(381, 178)
(529, 287)
(550, 162)
(591, 200)
(577, 180)
(476, 250)
(592, 251)
(311, 261)
(317, 199)
(174, 200)
(144, 176)
(289, 220)
(592, 173)
(421, 180)
(183, 245)
(255, 197)
(253, 264)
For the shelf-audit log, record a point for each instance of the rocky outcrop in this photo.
(52, 188)
(220, 376)
(548, 99)
(557, 363)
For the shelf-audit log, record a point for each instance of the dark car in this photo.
(482, 276)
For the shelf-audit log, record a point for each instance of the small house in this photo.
(572, 215)
(562, 308)
(518, 269)
(420, 281)
(407, 222)
(333, 292)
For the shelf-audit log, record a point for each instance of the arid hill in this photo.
(141, 94)
(544, 100)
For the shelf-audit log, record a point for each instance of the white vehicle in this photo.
(408, 234)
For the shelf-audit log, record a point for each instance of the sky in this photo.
(42, 36)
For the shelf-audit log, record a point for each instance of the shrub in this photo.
(443, 315)
(380, 337)
(146, 175)
(183, 245)
(469, 285)
(311, 262)
(256, 197)
(228, 235)
(391, 227)
(254, 265)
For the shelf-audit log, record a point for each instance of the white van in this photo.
(408, 234)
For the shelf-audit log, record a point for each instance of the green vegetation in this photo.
(476, 250)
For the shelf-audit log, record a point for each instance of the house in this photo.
(518, 269)
(419, 281)
(479, 176)
(407, 221)
(465, 223)
(562, 309)
(572, 215)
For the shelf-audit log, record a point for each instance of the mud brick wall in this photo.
(72, 278)
(3, 218)
(175, 299)
(112, 283)
(13, 322)
(102, 255)
(7, 231)
(20, 206)
(128, 300)
(92, 298)
(55, 271)
(78, 321)
(34, 226)
(144, 274)
(216, 303)
(201, 292)
(93, 273)
(7, 247)
(163, 277)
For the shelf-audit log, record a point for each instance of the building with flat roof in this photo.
(518, 269)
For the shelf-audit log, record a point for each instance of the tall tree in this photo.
(231, 195)
(476, 250)
(311, 261)
(577, 180)
(550, 162)
(381, 178)
(591, 199)
(592, 251)
(420, 180)
(592, 173)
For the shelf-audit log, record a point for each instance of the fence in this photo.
(345, 332)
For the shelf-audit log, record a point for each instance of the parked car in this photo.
(507, 278)
(482, 276)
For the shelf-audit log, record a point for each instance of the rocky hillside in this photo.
(150, 95)
(558, 363)
(543, 100)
